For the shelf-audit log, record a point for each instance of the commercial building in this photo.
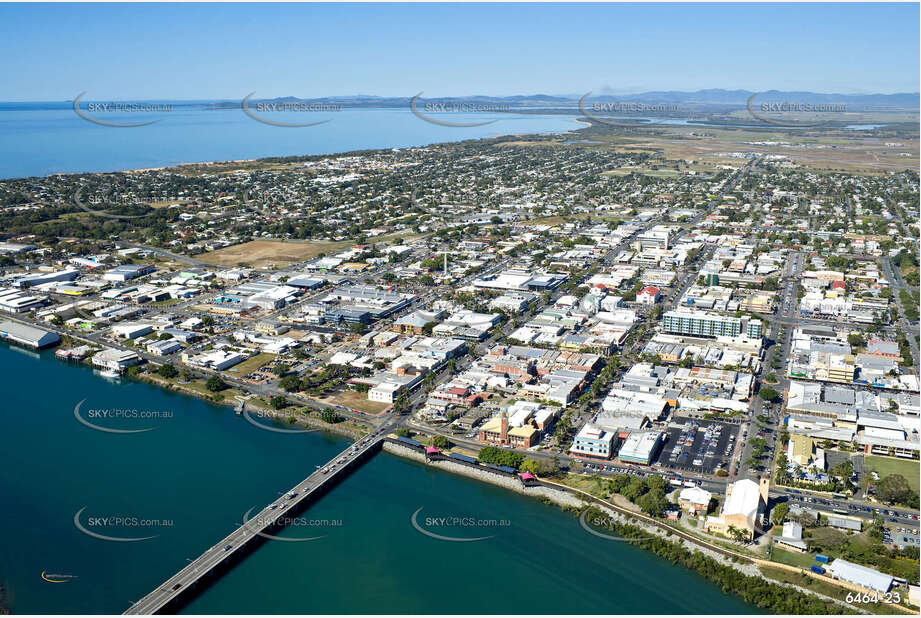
(132, 330)
(34, 280)
(389, 389)
(115, 360)
(28, 336)
(15, 301)
(521, 280)
(640, 447)
(162, 348)
(126, 272)
(703, 324)
(593, 442)
(361, 304)
(860, 575)
(217, 359)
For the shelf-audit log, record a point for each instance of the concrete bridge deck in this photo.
(234, 544)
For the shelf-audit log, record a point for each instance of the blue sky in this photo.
(204, 51)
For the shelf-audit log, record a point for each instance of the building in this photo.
(468, 325)
(162, 348)
(694, 500)
(860, 575)
(649, 295)
(640, 447)
(31, 281)
(513, 301)
(792, 536)
(593, 442)
(115, 360)
(127, 272)
(28, 336)
(14, 301)
(704, 324)
(743, 509)
(216, 359)
(388, 390)
(497, 431)
(131, 330)
(520, 280)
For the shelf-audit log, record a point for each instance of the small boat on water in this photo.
(109, 373)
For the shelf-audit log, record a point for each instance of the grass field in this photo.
(258, 253)
(250, 364)
(885, 466)
(792, 558)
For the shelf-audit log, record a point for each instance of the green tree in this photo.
(215, 384)
(279, 402)
(895, 489)
(780, 513)
(331, 416)
(290, 383)
(281, 369)
(500, 457)
(440, 442)
(167, 370)
(768, 394)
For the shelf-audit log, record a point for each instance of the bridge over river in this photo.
(238, 542)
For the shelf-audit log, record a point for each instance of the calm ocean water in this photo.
(42, 139)
(204, 467)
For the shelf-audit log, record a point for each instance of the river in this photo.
(189, 481)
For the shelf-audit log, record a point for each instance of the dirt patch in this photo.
(257, 253)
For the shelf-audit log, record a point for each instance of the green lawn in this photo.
(793, 558)
(885, 466)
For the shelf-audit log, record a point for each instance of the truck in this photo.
(815, 568)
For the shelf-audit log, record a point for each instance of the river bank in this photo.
(283, 416)
(621, 520)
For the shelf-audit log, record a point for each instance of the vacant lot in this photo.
(357, 401)
(258, 253)
(251, 364)
(885, 466)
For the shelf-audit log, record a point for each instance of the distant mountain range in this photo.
(698, 98)
(713, 98)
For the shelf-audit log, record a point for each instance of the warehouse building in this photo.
(127, 272)
(28, 336)
(860, 575)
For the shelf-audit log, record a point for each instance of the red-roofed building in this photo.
(648, 295)
(838, 285)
